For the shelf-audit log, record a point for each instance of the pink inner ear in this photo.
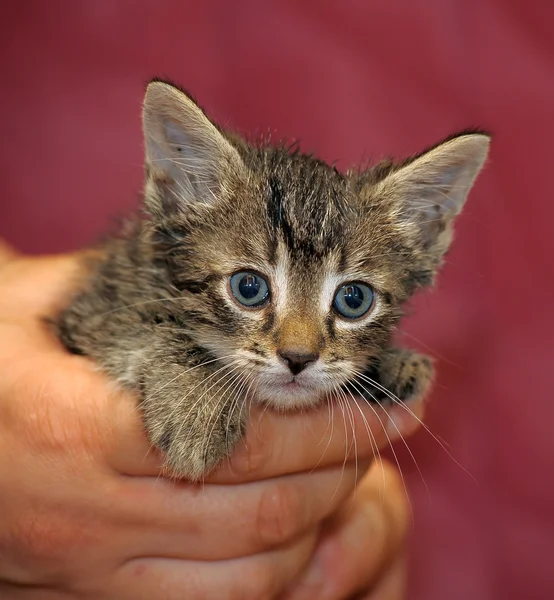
(176, 136)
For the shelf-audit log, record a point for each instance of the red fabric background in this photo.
(353, 80)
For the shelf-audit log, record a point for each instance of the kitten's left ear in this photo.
(432, 188)
(188, 160)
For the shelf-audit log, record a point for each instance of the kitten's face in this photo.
(294, 279)
(290, 272)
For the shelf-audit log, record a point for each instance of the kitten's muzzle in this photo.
(297, 361)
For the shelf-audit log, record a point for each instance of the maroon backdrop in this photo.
(353, 79)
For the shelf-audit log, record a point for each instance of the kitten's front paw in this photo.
(401, 375)
(184, 459)
(194, 452)
(193, 449)
(411, 375)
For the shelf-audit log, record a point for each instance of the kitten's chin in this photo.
(288, 396)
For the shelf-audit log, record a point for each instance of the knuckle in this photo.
(49, 425)
(37, 538)
(41, 549)
(46, 537)
(52, 547)
(280, 514)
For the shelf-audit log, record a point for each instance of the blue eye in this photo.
(250, 289)
(353, 300)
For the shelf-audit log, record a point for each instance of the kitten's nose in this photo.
(297, 361)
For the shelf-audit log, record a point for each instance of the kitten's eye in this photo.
(250, 289)
(353, 300)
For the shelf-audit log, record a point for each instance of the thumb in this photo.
(32, 289)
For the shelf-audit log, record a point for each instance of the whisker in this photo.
(248, 402)
(203, 364)
(399, 402)
(429, 349)
(234, 366)
(235, 379)
(238, 395)
(191, 390)
(363, 388)
(390, 445)
(117, 423)
(179, 405)
(330, 417)
(341, 404)
(352, 425)
(142, 303)
(191, 409)
(374, 445)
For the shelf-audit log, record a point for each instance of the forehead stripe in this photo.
(276, 211)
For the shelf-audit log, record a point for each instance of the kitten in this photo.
(262, 274)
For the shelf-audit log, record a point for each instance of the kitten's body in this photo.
(160, 313)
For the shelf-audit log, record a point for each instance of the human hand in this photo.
(361, 552)
(84, 512)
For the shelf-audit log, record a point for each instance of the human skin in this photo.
(86, 513)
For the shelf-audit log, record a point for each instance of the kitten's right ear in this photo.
(187, 157)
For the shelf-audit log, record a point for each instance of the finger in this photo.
(26, 592)
(277, 443)
(185, 521)
(127, 449)
(69, 391)
(261, 576)
(76, 400)
(360, 542)
(35, 361)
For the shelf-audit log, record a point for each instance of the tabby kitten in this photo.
(262, 274)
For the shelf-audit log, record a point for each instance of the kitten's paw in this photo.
(192, 452)
(411, 374)
(191, 461)
(400, 374)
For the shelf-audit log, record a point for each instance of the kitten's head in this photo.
(288, 269)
